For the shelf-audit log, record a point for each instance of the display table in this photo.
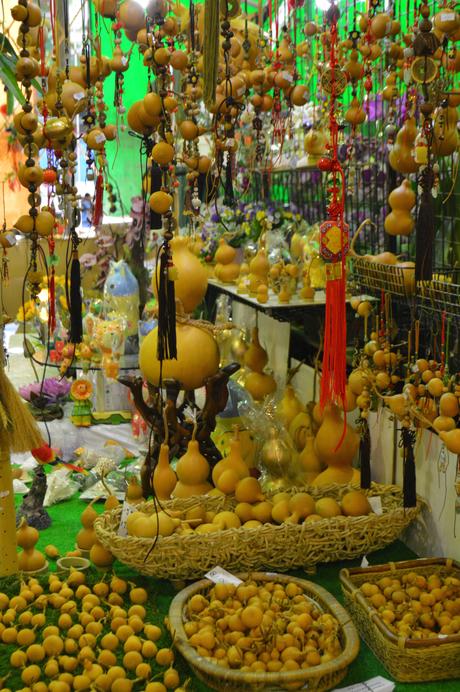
(66, 524)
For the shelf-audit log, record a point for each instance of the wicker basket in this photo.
(278, 548)
(318, 678)
(407, 660)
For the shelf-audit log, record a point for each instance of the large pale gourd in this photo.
(192, 278)
(197, 357)
(192, 472)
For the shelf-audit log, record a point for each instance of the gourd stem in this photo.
(166, 427)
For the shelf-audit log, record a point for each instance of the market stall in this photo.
(229, 364)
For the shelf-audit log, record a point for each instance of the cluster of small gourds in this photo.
(100, 638)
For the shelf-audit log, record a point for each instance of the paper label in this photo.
(364, 562)
(4, 493)
(219, 575)
(287, 76)
(128, 509)
(447, 16)
(377, 684)
(79, 95)
(100, 138)
(124, 60)
(376, 504)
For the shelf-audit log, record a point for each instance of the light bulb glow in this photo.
(323, 4)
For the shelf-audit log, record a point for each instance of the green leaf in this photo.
(6, 46)
(8, 78)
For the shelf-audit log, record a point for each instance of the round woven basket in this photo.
(318, 678)
(278, 548)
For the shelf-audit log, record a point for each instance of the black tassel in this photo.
(365, 454)
(229, 196)
(166, 343)
(75, 306)
(425, 229)
(155, 185)
(409, 486)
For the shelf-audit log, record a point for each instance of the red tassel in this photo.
(98, 210)
(334, 377)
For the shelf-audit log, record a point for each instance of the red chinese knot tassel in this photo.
(334, 243)
(98, 210)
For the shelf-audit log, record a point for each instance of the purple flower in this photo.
(52, 389)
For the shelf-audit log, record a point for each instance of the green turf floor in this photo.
(66, 523)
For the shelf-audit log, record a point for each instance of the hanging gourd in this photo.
(401, 200)
(401, 156)
(192, 278)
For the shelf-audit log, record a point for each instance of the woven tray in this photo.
(407, 660)
(279, 548)
(319, 678)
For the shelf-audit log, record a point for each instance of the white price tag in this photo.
(377, 684)
(364, 562)
(219, 575)
(376, 504)
(128, 509)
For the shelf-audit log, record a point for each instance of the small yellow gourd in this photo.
(401, 200)
(308, 462)
(192, 471)
(451, 439)
(259, 385)
(100, 556)
(289, 406)
(401, 157)
(164, 478)
(234, 461)
(134, 491)
(255, 357)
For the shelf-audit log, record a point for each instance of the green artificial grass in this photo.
(62, 534)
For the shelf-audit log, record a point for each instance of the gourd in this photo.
(275, 455)
(314, 146)
(192, 471)
(30, 559)
(100, 556)
(335, 447)
(355, 115)
(197, 357)
(289, 406)
(233, 461)
(134, 491)
(86, 537)
(164, 478)
(401, 156)
(192, 278)
(255, 357)
(299, 429)
(259, 385)
(226, 269)
(258, 270)
(308, 463)
(445, 133)
(401, 200)
(451, 439)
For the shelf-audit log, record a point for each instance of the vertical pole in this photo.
(8, 547)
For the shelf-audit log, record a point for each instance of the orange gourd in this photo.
(192, 471)
(335, 447)
(451, 439)
(401, 200)
(259, 385)
(134, 491)
(30, 559)
(226, 269)
(86, 537)
(164, 478)
(401, 157)
(255, 357)
(355, 115)
(445, 133)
